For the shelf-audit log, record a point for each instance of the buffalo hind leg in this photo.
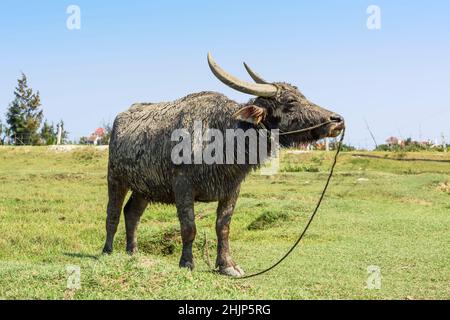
(133, 211)
(116, 193)
(184, 201)
(224, 261)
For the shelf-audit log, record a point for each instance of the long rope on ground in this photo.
(338, 150)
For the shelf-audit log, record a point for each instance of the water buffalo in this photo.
(141, 149)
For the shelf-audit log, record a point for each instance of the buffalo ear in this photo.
(252, 114)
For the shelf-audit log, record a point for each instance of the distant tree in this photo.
(83, 140)
(383, 147)
(48, 134)
(345, 147)
(1, 132)
(24, 115)
(409, 141)
(108, 129)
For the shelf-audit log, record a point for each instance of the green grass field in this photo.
(379, 211)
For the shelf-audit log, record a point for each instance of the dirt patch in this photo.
(69, 294)
(444, 187)
(70, 148)
(66, 176)
(64, 148)
(146, 262)
(297, 167)
(87, 154)
(418, 201)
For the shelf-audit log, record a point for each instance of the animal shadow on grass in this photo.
(82, 255)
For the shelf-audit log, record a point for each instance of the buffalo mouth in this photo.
(335, 128)
(331, 129)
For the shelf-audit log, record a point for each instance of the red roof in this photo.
(100, 132)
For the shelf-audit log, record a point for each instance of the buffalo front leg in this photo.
(116, 193)
(133, 211)
(224, 261)
(184, 201)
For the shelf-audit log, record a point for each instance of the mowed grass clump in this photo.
(269, 219)
(164, 242)
(88, 154)
(384, 211)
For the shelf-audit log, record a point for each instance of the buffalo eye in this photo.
(291, 101)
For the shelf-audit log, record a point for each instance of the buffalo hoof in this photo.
(233, 271)
(107, 250)
(132, 250)
(187, 264)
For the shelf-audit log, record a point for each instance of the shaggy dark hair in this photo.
(140, 158)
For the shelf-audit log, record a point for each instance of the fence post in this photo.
(444, 145)
(58, 138)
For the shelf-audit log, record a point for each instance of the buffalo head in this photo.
(282, 106)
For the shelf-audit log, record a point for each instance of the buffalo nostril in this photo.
(336, 118)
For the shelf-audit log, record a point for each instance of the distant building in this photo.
(394, 141)
(426, 144)
(96, 137)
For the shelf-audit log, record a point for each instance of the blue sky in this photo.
(397, 78)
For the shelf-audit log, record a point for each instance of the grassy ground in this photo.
(383, 212)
